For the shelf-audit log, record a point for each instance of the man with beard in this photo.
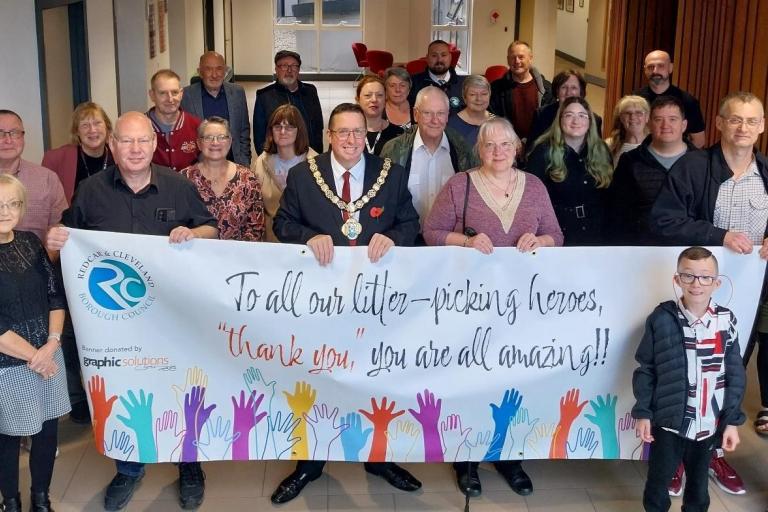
(439, 74)
(520, 91)
(658, 70)
(288, 89)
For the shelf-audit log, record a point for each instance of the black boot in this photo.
(11, 504)
(40, 503)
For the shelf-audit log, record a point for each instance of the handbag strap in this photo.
(466, 200)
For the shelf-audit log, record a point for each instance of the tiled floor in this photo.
(561, 486)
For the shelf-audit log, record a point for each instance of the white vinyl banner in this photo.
(217, 350)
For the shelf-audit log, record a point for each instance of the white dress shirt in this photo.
(429, 172)
(357, 175)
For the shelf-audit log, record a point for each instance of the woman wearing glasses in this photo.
(287, 144)
(371, 96)
(230, 191)
(576, 167)
(630, 125)
(33, 388)
(88, 153)
(494, 205)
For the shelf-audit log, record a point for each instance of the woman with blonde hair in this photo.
(88, 151)
(575, 165)
(630, 125)
(476, 92)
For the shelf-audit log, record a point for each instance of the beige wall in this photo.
(489, 40)
(101, 55)
(572, 28)
(596, 39)
(58, 70)
(537, 19)
(19, 78)
(252, 37)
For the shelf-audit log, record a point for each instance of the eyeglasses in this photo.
(441, 114)
(217, 138)
(124, 141)
(12, 206)
(735, 121)
(581, 116)
(505, 146)
(686, 278)
(13, 134)
(288, 128)
(288, 67)
(344, 133)
(633, 113)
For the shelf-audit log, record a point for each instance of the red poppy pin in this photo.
(376, 212)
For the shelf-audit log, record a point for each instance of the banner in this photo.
(216, 350)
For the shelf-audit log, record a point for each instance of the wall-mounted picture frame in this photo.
(569, 7)
(561, 4)
(581, 3)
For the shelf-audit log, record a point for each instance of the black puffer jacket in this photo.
(660, 383)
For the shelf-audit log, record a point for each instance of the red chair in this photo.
(360, 51)
(379, 61)
(495, 72)
(455, 54)
(417, 66)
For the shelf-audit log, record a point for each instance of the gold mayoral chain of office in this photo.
(352, 227)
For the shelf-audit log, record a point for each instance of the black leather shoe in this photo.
(120, 490)
(40, 502)
(191, 485)
(11, 504)
(397, 477)
(468, 480)
(517, 479)
(292, 486)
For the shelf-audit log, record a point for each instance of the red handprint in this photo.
(570, 409)
(380, 417)
(102, 408)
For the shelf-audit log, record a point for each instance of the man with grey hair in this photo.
(719, 196)
(430, 152)
(136, 196)
(214, 96)
(657, 67)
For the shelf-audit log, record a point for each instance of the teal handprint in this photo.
(140, 421)
(605, 418)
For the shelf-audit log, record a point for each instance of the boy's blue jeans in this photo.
(667, 451)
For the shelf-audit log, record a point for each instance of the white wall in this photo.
(572, 29)
(19, 75)
(490, 40)
(252, 37)
(101, 55)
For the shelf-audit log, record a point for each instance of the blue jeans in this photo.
(130, 468)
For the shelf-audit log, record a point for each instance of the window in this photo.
(321, 31)
(451, 23)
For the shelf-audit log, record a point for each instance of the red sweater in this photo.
(178, 148)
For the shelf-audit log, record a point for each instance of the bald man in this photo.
(657, 67)
(213, 96)
(136, 196)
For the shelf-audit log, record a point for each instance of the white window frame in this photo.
(452, 27)
(318, 26)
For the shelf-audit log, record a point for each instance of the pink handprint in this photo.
(245, 419)
(454, 437)
(429, 416)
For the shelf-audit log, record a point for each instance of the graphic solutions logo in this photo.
(119, 287)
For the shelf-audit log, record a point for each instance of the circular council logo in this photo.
(119, 287)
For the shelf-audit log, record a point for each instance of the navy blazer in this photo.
(305, 211)
(239, 121)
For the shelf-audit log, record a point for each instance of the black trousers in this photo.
(315, 467)
(41, 459)
(500, 465)
(667, 450)
(762, 367)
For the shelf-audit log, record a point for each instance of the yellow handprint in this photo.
(300, 402)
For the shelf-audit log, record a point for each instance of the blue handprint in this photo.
(283, 429)
(257, 382)
(585, 445)
(354, 438)
(140, 421)
(502, 415)
(121, 444)
(605, 418)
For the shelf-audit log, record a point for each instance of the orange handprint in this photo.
(570, 408)
(102, 408)
(380, 417)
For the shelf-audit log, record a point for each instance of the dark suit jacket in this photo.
(305, 211)
(239, 121)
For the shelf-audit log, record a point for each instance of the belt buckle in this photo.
(580, 214)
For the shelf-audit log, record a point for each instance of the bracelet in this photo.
(55, 336)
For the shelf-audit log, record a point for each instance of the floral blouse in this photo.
(239, 210)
